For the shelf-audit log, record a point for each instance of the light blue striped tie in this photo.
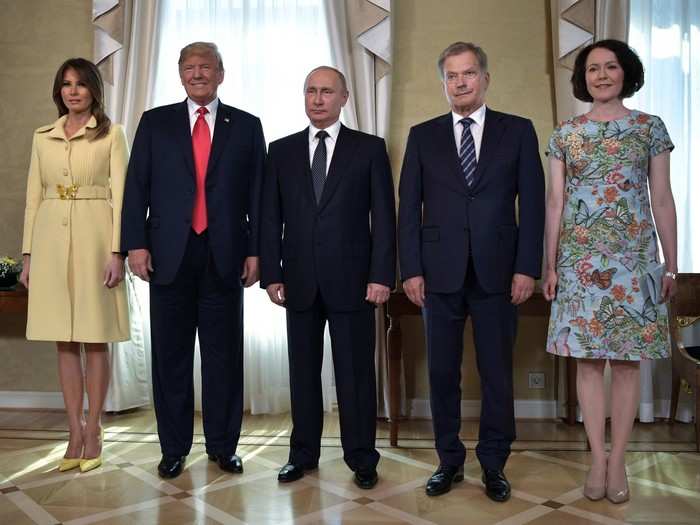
(467, 152)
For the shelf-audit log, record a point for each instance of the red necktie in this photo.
(201, 145)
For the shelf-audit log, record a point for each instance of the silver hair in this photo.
(457, 49)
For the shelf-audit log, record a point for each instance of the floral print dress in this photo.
(607, 241)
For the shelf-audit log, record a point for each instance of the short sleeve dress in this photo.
(71, 227)
(607, 241)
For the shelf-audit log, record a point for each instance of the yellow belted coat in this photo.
(71, 227)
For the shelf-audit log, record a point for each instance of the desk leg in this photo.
(571, 397)
(393, 354)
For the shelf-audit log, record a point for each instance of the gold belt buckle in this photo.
(67, 192)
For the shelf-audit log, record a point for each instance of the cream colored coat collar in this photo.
(56, 130)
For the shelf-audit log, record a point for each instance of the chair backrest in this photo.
(686, 303)
(685, 311)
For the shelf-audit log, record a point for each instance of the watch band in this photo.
(671, 275)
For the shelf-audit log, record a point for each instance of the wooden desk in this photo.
(399, 306)
(14, 301)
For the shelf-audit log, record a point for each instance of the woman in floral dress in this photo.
(601, 255)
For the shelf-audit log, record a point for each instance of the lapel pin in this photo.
(226, 119)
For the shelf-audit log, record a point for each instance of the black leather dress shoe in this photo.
(497, 486)
(291, 472)
(228, 462)
(365, 478)
(171, 466)
(441, 481)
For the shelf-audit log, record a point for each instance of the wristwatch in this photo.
(671, 275)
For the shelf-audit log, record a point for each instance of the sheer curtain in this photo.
(268, 47)
(666, 34)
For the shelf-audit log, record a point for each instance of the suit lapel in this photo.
(184, 134)
(493, 131)
(448, 150)
(302, 164)
(222, 131)
(342, 158)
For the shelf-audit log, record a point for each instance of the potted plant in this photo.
(9, 271)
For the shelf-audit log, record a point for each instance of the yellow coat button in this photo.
(65, 221)
(65, 173)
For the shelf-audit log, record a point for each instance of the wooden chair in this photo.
(685, 311)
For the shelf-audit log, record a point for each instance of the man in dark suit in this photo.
(190, 225)
(328, 254)
(462, 254)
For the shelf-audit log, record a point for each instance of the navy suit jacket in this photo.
(161, 181)
(442, 221)
(342, 243)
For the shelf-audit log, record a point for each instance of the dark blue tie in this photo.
(318, 165)
(467, 152)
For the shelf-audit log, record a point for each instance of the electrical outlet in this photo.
(535, 380)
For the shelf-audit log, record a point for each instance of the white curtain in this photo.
(268, 47)
(666, 35)
(125, 43)
(360, 36)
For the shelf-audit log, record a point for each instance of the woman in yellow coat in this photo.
(72, 262)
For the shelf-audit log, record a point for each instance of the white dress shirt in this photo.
(477, 128)
(333, 130)
(210, 117)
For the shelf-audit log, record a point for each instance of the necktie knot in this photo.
(466, 122)
(202, 111)
(321, 135)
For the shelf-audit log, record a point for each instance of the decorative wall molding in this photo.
(31, 400)
(576, 24)
(418, 408)
(108, 21)
(369, 22)
(524, 408)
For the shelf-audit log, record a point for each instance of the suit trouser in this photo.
(197, 301)
(352, 341)
(494, 321)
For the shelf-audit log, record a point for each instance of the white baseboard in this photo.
(31, 400)
(524, 408)
(419, 408)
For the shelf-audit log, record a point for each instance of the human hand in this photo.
(24, 275)
(377, 293)
(140, 263)
(275, 292)
(669, 288)
(549, 285)
(415, 290)
(250, 273)
(114, 271)
(521, 288)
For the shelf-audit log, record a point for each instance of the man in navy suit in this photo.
(190, 225)
(328, 254)
(462, 253)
